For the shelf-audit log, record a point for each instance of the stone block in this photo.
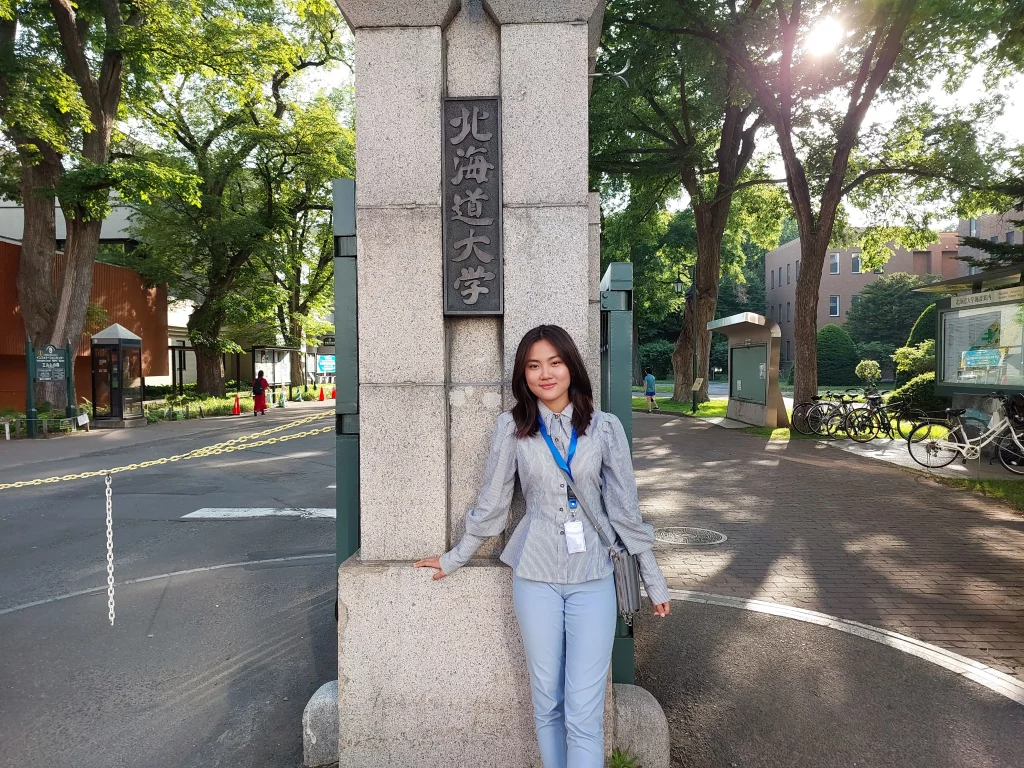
(397, 13)
(473, 412)
(474, 350)
(546, 274)
(544, 114)
(641, 727)
(403, 472)
(401, 325)
(431, 673)
(320, 727)
(398, 116)
(473, 53)
(544, 11)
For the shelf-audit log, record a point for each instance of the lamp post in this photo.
(691, 294)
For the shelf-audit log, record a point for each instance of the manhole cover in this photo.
(689, 536)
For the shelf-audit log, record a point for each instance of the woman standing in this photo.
(259, 394)
(649, 391)
(562, 586)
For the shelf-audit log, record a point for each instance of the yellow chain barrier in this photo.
(228, 446)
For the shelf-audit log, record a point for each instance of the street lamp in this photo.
(678, 286)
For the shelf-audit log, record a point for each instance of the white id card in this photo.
(574, 540)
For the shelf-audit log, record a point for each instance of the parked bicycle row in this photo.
(933, 439)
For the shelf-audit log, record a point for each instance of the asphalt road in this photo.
(204, 669)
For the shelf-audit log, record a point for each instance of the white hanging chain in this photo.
(110, 554)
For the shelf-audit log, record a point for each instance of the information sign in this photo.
(51, 364)
(325, 363)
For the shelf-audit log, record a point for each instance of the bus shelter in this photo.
(755, 344)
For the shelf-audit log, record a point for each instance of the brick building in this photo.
(842, 280)
(121, 292)
(994, 227)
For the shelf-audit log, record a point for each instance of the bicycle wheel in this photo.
(816, 418)
(934, 445)
(905, 421)
(862, 424)
(835, 422)
(1010, 454)
(799, 418)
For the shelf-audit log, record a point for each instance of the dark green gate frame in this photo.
(617, 398)
(346, 379)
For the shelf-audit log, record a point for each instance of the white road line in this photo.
(244, 513)
(221, 566)
(992, 679)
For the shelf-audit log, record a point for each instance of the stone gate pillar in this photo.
(432, 673)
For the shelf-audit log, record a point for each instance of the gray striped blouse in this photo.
(603, 472)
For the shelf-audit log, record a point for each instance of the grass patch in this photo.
(712, 408)
(1010, 491)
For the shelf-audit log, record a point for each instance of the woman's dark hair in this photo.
(580, 394)
(259, 375)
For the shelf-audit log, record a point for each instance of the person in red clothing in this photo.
(259, 395)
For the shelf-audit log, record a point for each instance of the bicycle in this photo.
(877, 417)
(806, 416)
(934, 444)
(834, 418)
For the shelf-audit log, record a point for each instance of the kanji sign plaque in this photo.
(471, 182)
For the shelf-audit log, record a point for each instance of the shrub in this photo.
(924, 327)
(791, 375)
(920, 393)
(837, 357)
(868, 371)
(915, 360)
(657, 355)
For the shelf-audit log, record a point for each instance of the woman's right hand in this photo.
(431, 562)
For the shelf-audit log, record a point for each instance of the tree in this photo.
(837, 357)
(817, 104)
(1000, 254)
(64, 68)
(924, 326)
(685, 119)
(888, 309)
(256, 248)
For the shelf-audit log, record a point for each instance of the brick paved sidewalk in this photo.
(833, 532)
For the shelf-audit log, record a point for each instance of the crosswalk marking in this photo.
(242, 513)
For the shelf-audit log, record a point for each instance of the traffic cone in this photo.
(322, 394)
(334, 392)
(237, 409)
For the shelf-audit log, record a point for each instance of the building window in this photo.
(789, 274)
(780, 312)
(833, 306)
(833, 267)
(974, 270)
(973, 227)
(994, 238)
(788, 316)
(1009, 237)
(771, 309)
(855, 264)
(878, 271)
(780, 277)
(854, 301)
(773, 279)
(798, 269)
(788, 357)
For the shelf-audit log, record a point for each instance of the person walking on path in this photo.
(563, 587)
(649, 390)
(259, 394)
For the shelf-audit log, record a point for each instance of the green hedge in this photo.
(837, 357)
(920, 392)
(924, 327)
(657, 355)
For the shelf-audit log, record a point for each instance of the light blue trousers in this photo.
(568, 630)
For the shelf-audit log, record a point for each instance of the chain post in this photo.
(110, 552)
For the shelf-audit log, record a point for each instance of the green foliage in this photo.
(915, 360)
(719, 352)
(657, 355)
(920, 392)
(621, 759)
(837, 356)
(924, 327)
(868, 371)
(791, 375)
(887, 309)
(878, 351)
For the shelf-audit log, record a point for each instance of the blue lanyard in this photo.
(565, 464)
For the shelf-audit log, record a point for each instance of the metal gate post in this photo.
(346, 350)
(617, 398)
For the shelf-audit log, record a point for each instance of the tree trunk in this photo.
(36, 297)
(710, 229)
(210, 371)
(805, 328)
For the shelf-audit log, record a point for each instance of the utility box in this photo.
(755, 344)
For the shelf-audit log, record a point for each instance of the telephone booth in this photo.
(117, 378)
